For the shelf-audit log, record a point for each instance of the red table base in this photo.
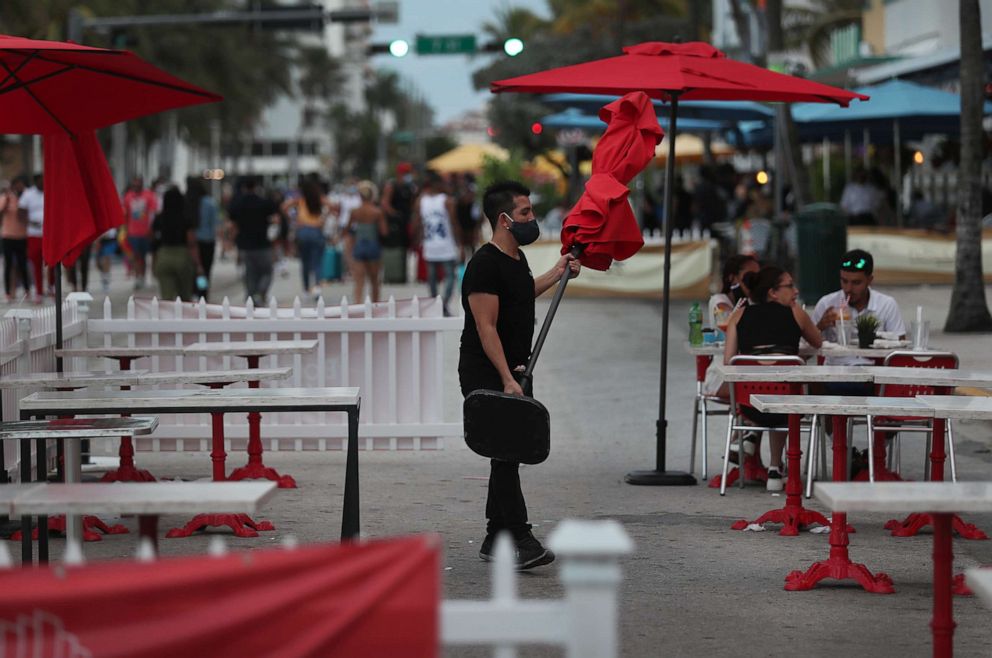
(960, 587)
(56, 525)
(916, 522)
(262, 472)
(241, 524)
(838, 565)
(792, 519)
(753, 472)
(127, 474)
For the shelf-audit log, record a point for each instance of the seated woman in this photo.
(722, 304)
(772, 324)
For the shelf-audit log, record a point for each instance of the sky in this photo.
(445, 81)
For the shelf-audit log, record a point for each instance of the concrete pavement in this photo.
(693, 587)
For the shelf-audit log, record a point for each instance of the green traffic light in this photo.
(513, 47)
(399, 48)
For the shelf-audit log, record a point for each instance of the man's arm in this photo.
(553, 276)
(387, 199)
(485, 309)
(456, 229)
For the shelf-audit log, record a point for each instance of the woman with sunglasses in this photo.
(772, 324)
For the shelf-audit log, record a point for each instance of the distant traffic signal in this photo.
(396, 48)
(511, 47)
(536, 128)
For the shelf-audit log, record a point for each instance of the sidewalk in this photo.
(692, 587)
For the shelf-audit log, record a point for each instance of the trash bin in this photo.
(822, 235)
(394, 264)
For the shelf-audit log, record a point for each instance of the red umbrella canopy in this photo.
(602, 222)
(65, 91)
(693, 71)
(51, 86)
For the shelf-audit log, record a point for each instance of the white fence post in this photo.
(584, 622)
(23, 318)
(590, 571)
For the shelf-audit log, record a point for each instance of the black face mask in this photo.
(524, 232)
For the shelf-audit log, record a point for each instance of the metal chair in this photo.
(701, 410)
(906, 359)
(740, 396)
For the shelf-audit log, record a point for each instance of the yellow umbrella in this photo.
(689, 148)
(467, 157)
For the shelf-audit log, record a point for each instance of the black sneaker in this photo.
(486, 550)
(774, 482)
(530, 552)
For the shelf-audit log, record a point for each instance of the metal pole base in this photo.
(660, 478)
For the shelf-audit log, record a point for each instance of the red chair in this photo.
(740, 396)
(878, 426)
(701, 409)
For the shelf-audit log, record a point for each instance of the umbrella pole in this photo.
(58, 314)
(659, 476)
(555, 301)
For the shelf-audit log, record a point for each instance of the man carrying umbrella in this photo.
(498, 292)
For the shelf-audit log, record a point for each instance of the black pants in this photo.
(15, 255)
(207, 250)
(506, 508)
(79, 272)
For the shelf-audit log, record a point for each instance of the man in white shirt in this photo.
(856, 270)
(31, 205)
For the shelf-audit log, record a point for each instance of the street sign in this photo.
(445, 44)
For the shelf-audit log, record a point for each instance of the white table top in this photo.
(120, 352)
(11, 492)
(252, 347)
(78, 428)
(841, 405)
(958, 406)
(795, 374)
(188, 400)
(145, 498)
(931, 376)
(215, 376)
(715, 349)
(950, 497)
(76, 379)
(980, 582)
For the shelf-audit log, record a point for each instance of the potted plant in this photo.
(867, 327)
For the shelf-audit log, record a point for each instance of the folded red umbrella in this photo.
(602, 223)
(82, 203)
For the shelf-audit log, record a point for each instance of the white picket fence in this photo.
(393, 351)
(585, 623)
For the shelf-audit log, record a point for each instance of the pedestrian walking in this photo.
(140, 206)
(175, 256)
(31, 207)
(252, 215)
(367, 223)
(206, 218)
(434, 221)
(498, 292)
(309, 210)
(14, 234)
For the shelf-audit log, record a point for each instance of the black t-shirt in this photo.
(171, 230)
(251, 215)
(491, 271)
(768, 328)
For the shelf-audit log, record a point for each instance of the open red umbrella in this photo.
(670, 72)
(65, 91)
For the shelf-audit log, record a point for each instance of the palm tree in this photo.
(969, 310)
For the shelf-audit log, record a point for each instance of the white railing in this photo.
(584, 622)
(393, 351)
(27, 344)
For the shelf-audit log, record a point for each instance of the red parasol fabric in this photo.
(82, 195)
(602, 222)
(65, 91)
(376, 598)
(695, 71)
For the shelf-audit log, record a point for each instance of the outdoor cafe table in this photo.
(937, 499)
(253, 351)
(839, 565)
(146, 499)
(64, 428)
(220, 401)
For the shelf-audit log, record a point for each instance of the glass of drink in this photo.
(919, 333)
